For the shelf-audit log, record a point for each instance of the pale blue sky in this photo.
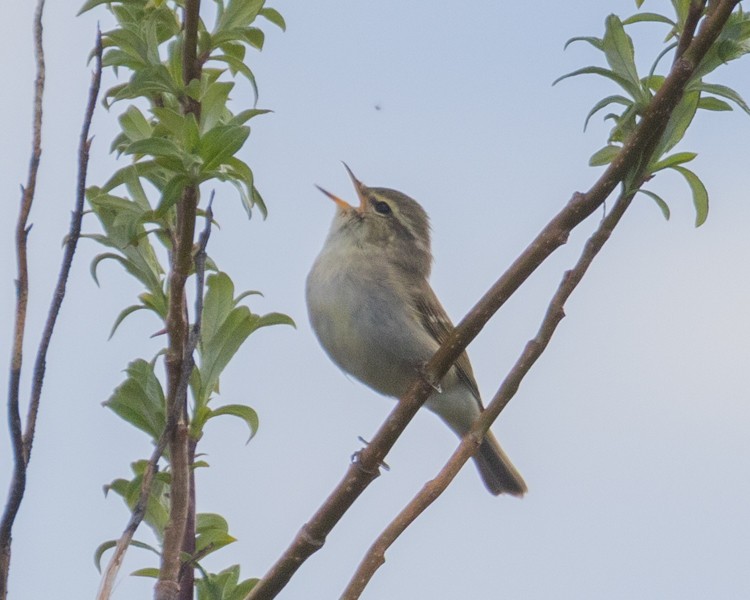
(631, 431)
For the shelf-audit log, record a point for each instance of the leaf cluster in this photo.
(176, 134)
(627, 107)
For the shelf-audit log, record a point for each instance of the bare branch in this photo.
(375, 556)
(71, 242)
(20, 458)
(359, 475)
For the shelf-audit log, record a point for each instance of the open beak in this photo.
(342, 204)
(359, 188)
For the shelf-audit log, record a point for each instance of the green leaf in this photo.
(678, 123)
(216, 354)
(275, 319)
(243, 116)
(89, 4)
(604, 156)
(243, 589)
(603, 103)
(121, 220)
(171, 194)
(254, 37)
(190, 133)
(135, 125)
(170, 122)
(594, 41)
(711, 103)
(155, 302)
(121, 317)
(274, 16)
(224, 585)
(619, 52)
(659, 202)
(140, 399)
(214, 105)
(155, 146)
(627, 85)
(212, 533)
(247, 414)
(135, 188)
(732, 43)
(111, 544)
(648, 17)
(238, 66)
(670, 161)
(225, 327)
(157, 511)
(237, 14)
(217, 304)
(149, 82)
(220, 143)
(259, 202)
(700, 195)
(240, 171)
(104, 256)
(151, 572)
(725, 92)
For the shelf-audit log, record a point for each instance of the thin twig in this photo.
(20, 459)
(186, 577)
(71, 242)
(375, 556)
(360, 474)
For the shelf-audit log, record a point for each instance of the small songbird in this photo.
(375, 314)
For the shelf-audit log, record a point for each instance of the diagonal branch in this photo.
(375, 556)
(363, 471)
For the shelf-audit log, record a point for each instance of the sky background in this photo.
(632, 429)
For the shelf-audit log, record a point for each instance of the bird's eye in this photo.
(381, 207)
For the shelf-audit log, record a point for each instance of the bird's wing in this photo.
(436, 321)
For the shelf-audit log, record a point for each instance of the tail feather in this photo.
(497, 472)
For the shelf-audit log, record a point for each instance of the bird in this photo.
(372, 309)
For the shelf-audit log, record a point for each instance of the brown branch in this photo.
(365, 469)
(375, 556)
(179, 362)
(20, 459)
(691, 23)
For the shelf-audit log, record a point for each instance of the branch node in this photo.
(356, 460)
(310, 539)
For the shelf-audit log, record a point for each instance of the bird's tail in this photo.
(497, 472)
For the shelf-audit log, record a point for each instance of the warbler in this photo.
(374, 313)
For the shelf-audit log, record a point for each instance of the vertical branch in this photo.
(178, 359)
(20, 458)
